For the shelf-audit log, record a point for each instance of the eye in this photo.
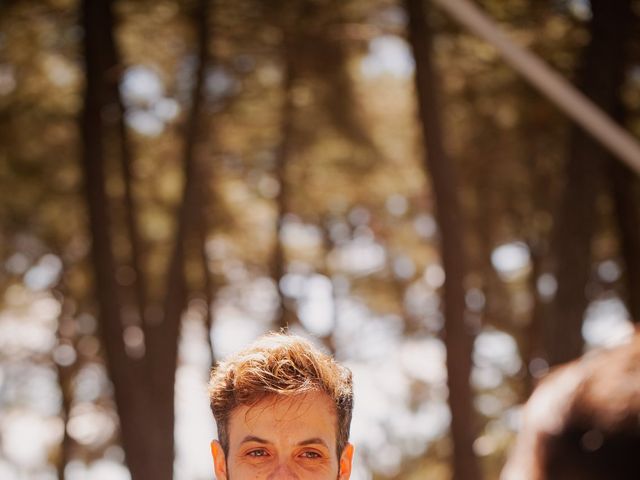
(310, 454)
(258, 453)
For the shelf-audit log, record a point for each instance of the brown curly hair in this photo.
(279, 364)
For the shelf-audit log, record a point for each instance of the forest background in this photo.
(179, 176)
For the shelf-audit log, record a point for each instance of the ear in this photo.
(346, 460)
(219, 460)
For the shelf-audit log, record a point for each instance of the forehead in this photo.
(286, 420)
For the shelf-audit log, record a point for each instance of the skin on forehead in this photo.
(287, 428)
(303, 410)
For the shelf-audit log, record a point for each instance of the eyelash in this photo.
(313, 455)
(263, 453)
(257, 453)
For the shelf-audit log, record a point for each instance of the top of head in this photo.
(282, 365)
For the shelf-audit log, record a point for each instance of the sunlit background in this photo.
(390, 415)
(362, 264)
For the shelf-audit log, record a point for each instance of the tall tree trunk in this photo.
(127, 374)
(625, 198)
(328, 340)
(283, 154)
(66, 373)
(163, 337)
(116, 125)
(131, 207)
(625, 192)
(600, 77)
(532, 345)
(144, 387)
(458, 337)
(533, 348)
(208, 285)
(209, 289)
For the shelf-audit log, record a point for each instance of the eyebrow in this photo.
(252, 438)
(313, 441)
(310, 441)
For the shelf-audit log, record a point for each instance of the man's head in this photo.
(283, 410)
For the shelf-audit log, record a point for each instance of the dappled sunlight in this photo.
(362, 256)
(103, 469)
(607, 323)
(511, 260)
(27, 438)
(317, 306)
(194, 428)
(179, 178)
(148, 109)
(388, 55)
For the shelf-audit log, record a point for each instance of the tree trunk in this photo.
(131, 208)
(458, 337)
(625, 198)
(283, 154)
(328, 340)
(163, 337)
(208, 286)
(536, 235)
(66, 374)
(131, 397)
(600, 78)
(624, 190)
(144, 387)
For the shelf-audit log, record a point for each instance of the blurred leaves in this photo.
(359, 209)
